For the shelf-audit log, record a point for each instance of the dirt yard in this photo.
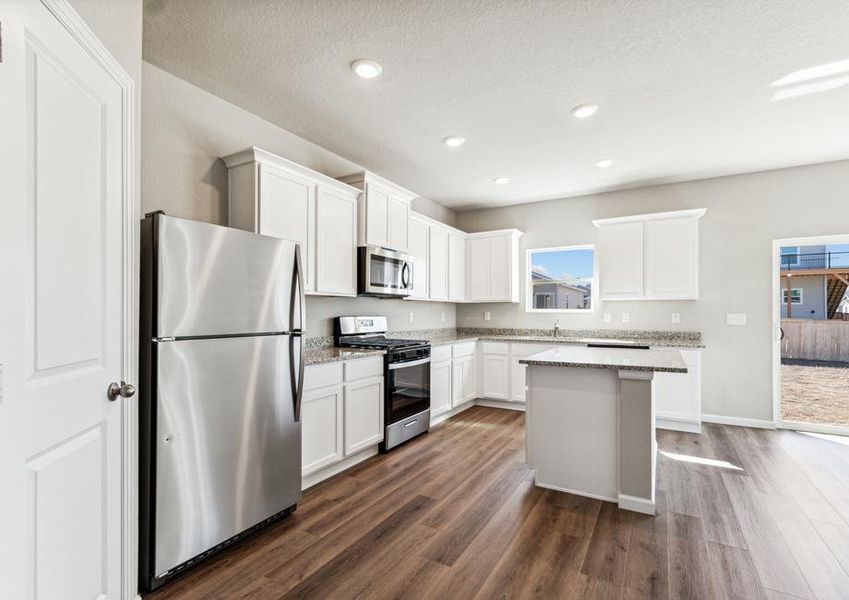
(815, 392)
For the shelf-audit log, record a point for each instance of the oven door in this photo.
(407, 389)
(384, 272)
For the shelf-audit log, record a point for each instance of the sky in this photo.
(571, 265)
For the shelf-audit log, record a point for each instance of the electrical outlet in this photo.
(676, 317)
(626, 317)
(411, 317)
(735, 319)
(487, 316)
(607, 317)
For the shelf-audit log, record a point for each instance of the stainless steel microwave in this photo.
(383, 272)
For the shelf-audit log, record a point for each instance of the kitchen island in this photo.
(591, 421)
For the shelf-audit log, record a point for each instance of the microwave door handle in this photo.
(405, 276)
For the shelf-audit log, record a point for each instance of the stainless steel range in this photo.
(406, 372)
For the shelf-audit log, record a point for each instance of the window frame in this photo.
(784, 296)
(529, 293)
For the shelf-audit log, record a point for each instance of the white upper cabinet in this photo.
(384, 212)
(650, 257)
(621, 261)
(456, 266)
(420, 249)
(277, 197)
(438, 263)
(492, 266)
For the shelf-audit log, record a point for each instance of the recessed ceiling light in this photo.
(501, 180)
(603, 164)
(582, 111)
(454, 141)
(367, 69)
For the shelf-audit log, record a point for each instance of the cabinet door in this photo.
(420, 249)
(500, 270)
(517, 372)
(678, 395)
(494, 376)
(321, 428)
(672, 259)
(363, 414)
(621, 261)
(457, 382)
(287, 210)
(440, 388)
(478, 270)
(399, 223)
(470, 379)
(377, 215)
(456, 267)
(336, 244)
(438, 264)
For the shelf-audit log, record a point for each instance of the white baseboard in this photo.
(738, 421)
(675, 424)
(637, 504)
(307, 481)
(547, 486)
(519, 406)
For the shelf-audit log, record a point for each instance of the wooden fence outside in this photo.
(814, 339)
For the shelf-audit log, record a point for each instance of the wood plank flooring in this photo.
(742, 513)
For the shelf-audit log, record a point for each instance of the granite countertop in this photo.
(328, 354)
(655, 342)
(626, 359)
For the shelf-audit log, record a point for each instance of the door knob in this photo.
(124, 389)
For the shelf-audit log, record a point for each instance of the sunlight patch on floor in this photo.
(710, 462)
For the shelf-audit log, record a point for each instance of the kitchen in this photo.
(452, 477)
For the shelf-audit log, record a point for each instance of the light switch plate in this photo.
(442, 316)
(487, 316)
(607, 317)
(735, 319)
(676, 317)
(626, 317)
(411, 317)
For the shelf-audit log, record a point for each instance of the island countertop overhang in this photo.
(623, 359)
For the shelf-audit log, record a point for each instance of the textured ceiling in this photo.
(684, 86)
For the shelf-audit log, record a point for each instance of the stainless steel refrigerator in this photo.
(220, 389)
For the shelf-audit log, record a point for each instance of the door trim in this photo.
(776, 324)
(85, 37)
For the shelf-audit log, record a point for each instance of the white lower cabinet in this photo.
(678, 396)
(321, 428)
(495, 370)
(440, 388)
(463, 380)
(341, 413)
(363, 414)
(517, 370)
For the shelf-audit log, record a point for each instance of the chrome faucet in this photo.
(556, 328)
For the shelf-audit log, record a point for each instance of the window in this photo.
(561, 279)
(795, 296)
(789, 256)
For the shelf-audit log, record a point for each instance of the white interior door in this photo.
(62, 311)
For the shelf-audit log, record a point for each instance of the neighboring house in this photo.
(558, 294)
(814, 285)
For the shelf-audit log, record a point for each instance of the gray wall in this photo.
(745, 213)
(187, 129)
(813, 297)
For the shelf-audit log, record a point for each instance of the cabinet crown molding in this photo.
(264, 157)
(359, 179)
(695, 213)
(496, 233)
(434, 223)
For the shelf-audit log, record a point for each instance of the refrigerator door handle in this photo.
(297, 333)
(297, 371)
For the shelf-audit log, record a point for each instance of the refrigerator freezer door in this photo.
(215, 280)
(228, 450)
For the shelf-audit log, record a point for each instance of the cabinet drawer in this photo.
(464, 349)
(316, 376)
(362, 368)
(440, 353)
(496, 348)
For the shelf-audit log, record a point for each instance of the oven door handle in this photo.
(409, 363)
